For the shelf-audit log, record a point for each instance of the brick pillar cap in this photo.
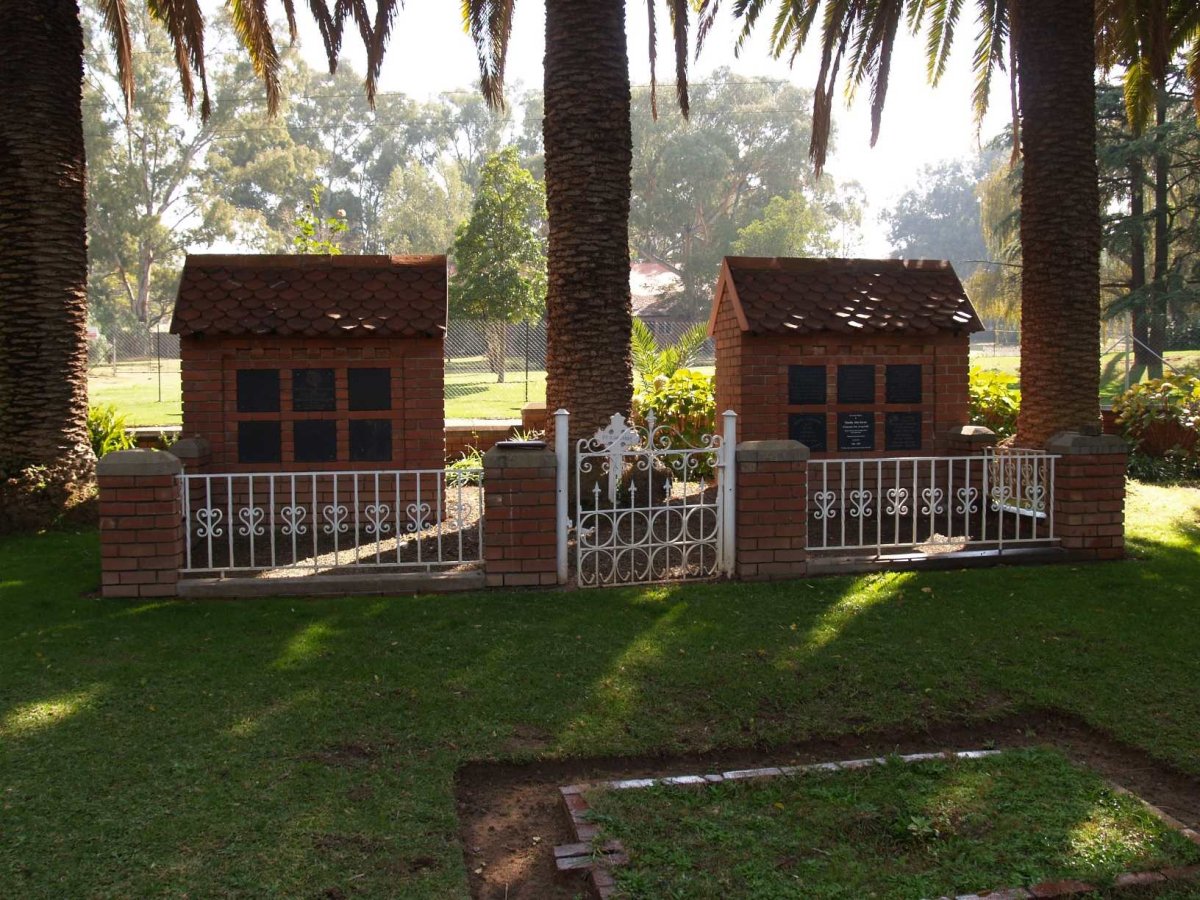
(138, 462)
(1071, 442)
(190, 449)
(772, 451)
(534, 456)
(974, 434)
(533, 406)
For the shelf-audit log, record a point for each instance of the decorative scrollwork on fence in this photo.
(860, 504)
(209, 520)
(377, 515)
(932, 498)
(825, 501)
(418, 517)
(251, 518)
(335, 518)
(967, 497)
(293, 520)
(897, 499)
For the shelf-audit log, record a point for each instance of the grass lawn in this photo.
(926, 829)
(309, 747)
(1112, 368)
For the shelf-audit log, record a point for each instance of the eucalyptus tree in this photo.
(1048, 47)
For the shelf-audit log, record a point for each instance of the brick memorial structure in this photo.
(303, 363)
(850, 357)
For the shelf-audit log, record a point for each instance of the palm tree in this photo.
(43, 201)
(1049, 47)
(1143, 37)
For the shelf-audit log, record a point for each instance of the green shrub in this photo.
(1161, 418)
(994, 402)
(461, 472)
(106, 428)
(684, 407)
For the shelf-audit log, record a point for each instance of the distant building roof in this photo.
(650, 284)
(852, 296)
(363, 296)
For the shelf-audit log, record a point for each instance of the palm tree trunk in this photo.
(1162, 238)
(1060, 220)
(589, 155)
(43, 256)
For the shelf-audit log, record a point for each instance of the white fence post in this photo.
(729, 494)
(562, 524)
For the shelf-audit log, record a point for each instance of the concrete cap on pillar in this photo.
(125, 463)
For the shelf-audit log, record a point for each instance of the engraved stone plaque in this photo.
(370, 440)
(856, 384)
(806, 385)
(808, 429)
(856, 431)
(370, 389)
(312, 390)
(258, 390)
(258, 442)
(902, 431)
(315, 440)
(903, 384)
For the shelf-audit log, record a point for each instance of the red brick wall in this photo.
(141, 524)
(772, 523)
(752, 372)
(210, 395)
(1089, 494)
(482, 437)
(519, 542)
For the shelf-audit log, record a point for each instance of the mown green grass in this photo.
(294, 747)
(900, 831)
(1112, 368)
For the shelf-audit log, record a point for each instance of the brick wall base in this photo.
(141, 523)
(1089, 493)
(519, 535)
(772, 525)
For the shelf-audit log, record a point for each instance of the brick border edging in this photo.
(582, 855)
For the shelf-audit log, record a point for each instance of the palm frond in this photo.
(116, 23)
(1140, 94)
(679, 24)
(653, 51)
(289, 10)
(943, 23)
(489, 22)
(253, 29)
(330, 23)
(184, 23)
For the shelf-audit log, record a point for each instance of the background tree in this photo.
(500, 254)
(318, 232)
(800, 225)
(145, 205)
(939, 218)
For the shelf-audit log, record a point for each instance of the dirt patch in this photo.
(343, 755)
(511, 816)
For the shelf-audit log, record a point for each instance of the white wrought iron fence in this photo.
(320, 522)
(932, 504)
(652, 506)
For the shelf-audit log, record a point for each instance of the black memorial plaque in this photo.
(315, 440)
(313, 390)
(856, 431)
(806, 385)
(370, 389)
(258, 442)
(902, 431)
(903, 384)
(371, 440)
(808, 429)
(258, 390)
(856, 384)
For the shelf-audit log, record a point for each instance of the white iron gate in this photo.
(652, 506)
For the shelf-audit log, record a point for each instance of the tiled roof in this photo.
(801, 296)
(362, 296)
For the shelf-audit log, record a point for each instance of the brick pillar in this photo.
(969, 439)
(1089, 493)
(141, 523)
(195, 453)
(518, 525)
(772, 518)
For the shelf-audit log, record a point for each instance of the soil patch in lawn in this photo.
(511, 815)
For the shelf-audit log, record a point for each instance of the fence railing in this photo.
(932, 504)
(321, 522)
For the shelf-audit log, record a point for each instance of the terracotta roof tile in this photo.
(381, 296)
(800, 296)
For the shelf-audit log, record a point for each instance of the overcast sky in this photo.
(430, 53)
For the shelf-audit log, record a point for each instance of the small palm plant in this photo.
(653, 361)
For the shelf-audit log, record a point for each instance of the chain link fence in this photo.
(134, 350)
